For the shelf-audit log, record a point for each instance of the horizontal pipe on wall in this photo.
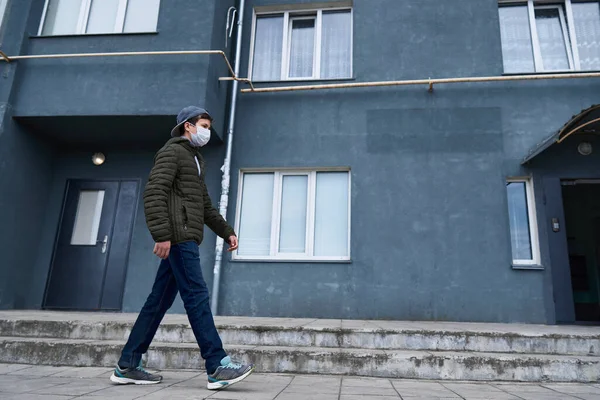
(429, 82)
(126, 54)
(252, 89)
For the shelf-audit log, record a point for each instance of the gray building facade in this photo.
(475, 201)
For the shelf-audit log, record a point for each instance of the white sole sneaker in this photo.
(127, 381)
(225, 384)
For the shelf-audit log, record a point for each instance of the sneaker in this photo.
(138, 376)
(229, 373)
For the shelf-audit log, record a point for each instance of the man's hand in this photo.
(162, 249)
(233, 243)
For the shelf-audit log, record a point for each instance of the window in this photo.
(3, 4)
(523, 225)
(87, 218)
(294, 215)
(78, 17)
(302, 45)
(543, 36)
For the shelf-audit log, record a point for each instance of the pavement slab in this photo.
(573, 388)
(412, 389)
(40, 370)
(27, 382)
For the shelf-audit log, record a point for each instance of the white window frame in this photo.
(533, 224)
(84, 16)
(307, 256)
(288, 16)
(287, 54)
(570, 34)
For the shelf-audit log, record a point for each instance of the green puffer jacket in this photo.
(176, 201)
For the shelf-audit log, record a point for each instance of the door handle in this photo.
(104, 243)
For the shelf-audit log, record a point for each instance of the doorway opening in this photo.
(581, 200)
(91, 251)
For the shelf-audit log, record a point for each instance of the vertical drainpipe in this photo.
(225, 181)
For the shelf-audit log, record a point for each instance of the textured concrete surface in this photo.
(311, 360)
(26, 382)
(315, 323)
(414, 350)
(434, 336)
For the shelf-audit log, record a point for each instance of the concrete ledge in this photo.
(356, 335)
(335, 361)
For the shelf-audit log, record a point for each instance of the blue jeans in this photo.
(180, 272)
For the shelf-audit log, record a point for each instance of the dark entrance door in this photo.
(582, 218)
(557, 237)
(90, 257)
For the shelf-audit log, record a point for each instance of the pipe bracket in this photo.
(3, 55)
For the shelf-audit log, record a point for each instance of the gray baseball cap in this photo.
(185, 115)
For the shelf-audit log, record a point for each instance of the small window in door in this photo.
(87, 218)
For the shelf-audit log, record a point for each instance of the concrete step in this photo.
(334, 361)
(382, 335)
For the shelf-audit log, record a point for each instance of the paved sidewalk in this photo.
(23, 382)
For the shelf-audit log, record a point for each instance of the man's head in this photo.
(189, 119)
(191, 126)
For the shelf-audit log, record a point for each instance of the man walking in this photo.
(177, 205)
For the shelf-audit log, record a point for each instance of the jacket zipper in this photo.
(185, 217)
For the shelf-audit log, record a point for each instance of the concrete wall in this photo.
(24, 184)
(430, 234)
(152, 85)
(25, 165)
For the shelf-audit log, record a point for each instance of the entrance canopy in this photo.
(587, 121)
(108, 132)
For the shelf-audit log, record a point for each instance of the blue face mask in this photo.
(201, 137)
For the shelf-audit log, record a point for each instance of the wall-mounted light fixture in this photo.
(585, 148)
(98, 159)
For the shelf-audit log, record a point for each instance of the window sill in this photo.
(312, 80)
(530, 267)
(78, 35)
(291, 260)
(592, 71)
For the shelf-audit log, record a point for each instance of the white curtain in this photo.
(103, 15)
(587, 27)
(292, 236)
(256, 215)
(517, 49)
(519, 221)
(302, 48)
(268, 45)
(62, 17)
(331, 214)
(141, 15)
(552, 39)
(2, 9)
(336, 45)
